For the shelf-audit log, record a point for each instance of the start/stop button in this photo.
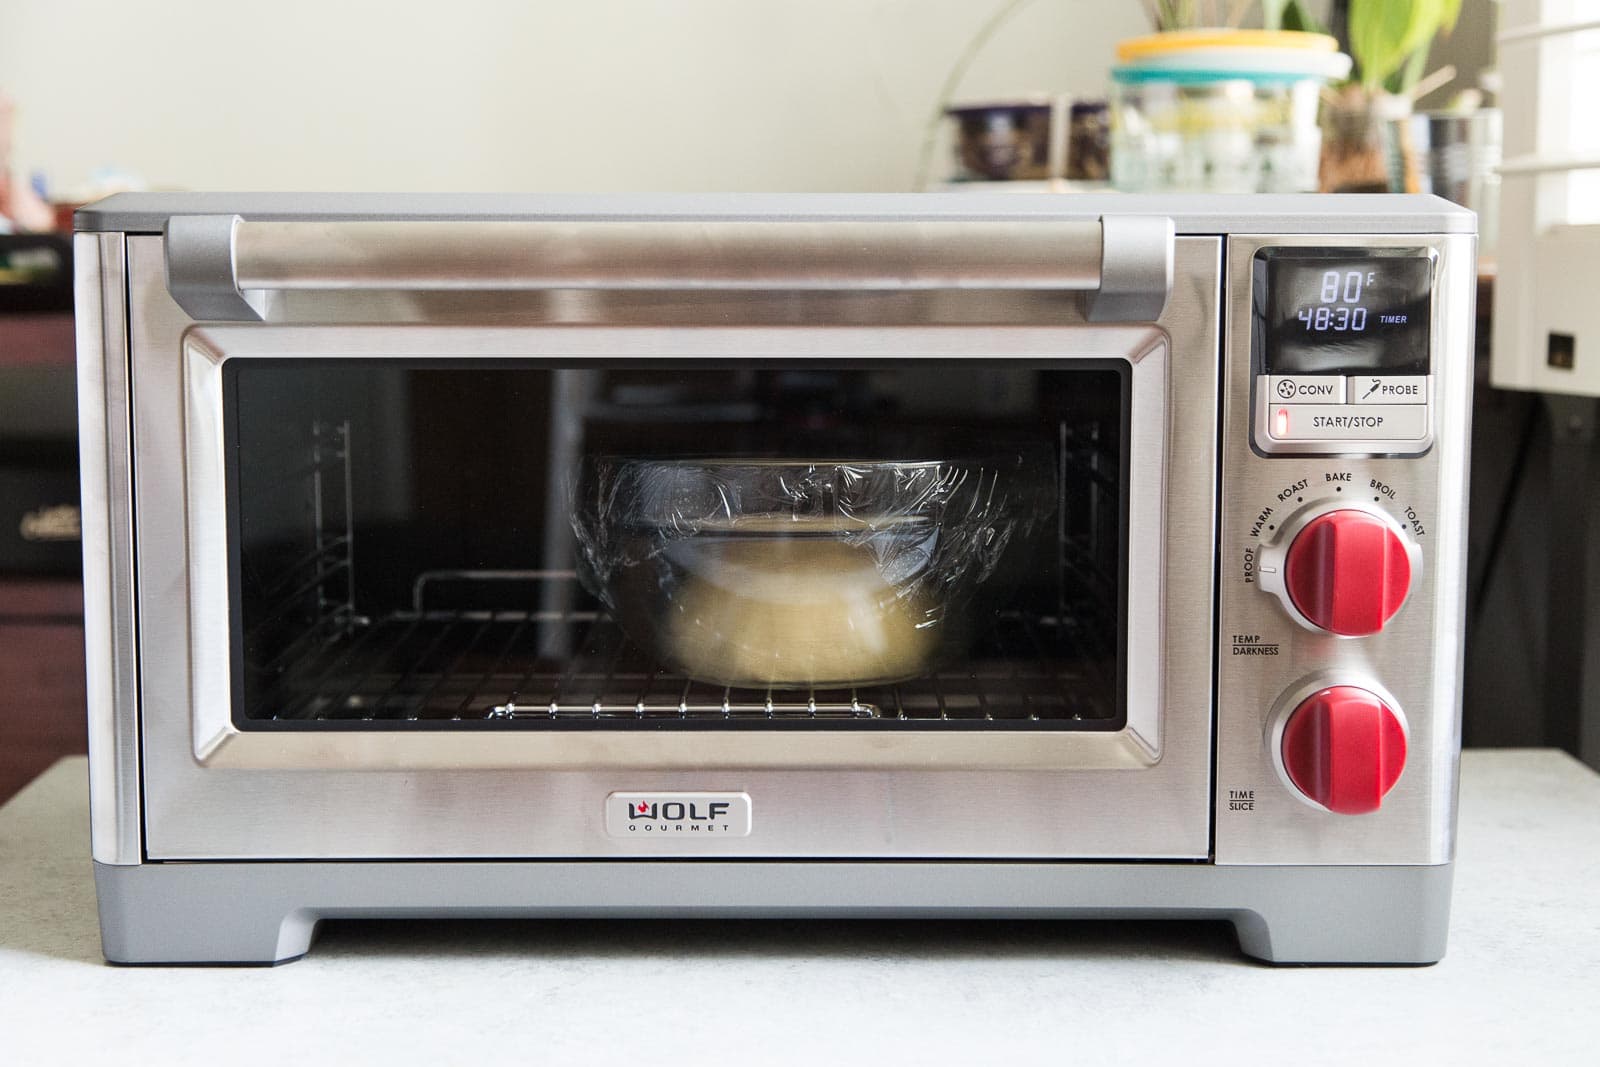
(1347, 422)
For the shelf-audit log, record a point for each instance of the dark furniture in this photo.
(41, 677)
(41, 598)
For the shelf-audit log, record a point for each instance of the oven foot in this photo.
(1367, 916)
(149, 916)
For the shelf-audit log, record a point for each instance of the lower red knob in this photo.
(1344, 748)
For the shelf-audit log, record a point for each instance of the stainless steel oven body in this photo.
(282, 783)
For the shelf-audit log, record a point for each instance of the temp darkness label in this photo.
(1252, 645)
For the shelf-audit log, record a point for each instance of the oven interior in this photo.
(403, 554)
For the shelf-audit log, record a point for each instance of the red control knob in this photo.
(1344, 748)
(1348, 572)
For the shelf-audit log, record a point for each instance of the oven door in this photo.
(377, 618)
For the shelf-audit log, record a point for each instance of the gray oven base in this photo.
(254, 912)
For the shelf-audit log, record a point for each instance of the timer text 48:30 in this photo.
(1340, 308)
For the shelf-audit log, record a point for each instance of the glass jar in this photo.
(1008, 140)
(1222, 111)
(1207, 133)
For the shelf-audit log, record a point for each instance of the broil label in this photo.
(678, 816)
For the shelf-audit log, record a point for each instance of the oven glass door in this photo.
(527, 545)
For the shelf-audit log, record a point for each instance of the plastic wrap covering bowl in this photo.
(799, 573)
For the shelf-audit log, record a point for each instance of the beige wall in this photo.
(487, 95)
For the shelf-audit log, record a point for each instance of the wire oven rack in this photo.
(527, 668)
(306, 596)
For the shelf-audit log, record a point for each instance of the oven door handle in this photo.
(223, 267)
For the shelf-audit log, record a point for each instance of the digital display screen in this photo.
(1342, 311)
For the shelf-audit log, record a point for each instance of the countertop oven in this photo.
(1186, 623)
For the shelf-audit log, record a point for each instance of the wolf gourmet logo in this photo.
(676, 811)
(680, 815)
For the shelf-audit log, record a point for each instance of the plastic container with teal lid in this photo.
(1227, 111)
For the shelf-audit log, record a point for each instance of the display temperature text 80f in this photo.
(1340, 307)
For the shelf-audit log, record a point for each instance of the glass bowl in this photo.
(798, 573)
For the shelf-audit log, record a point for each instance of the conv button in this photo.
(1376, 389)
(1347, 422)
(1305, 389)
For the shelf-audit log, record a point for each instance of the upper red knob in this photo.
(1344, 748)
(1348, 572)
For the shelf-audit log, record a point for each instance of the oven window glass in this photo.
(663, 545)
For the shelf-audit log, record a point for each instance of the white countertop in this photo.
(1521, 983)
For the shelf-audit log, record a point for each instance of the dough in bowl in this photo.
(791, 613)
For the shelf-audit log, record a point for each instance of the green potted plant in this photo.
(1366, 145)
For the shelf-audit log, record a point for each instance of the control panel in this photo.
(1341, 539)
(1340, 350)
(1341, 568)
